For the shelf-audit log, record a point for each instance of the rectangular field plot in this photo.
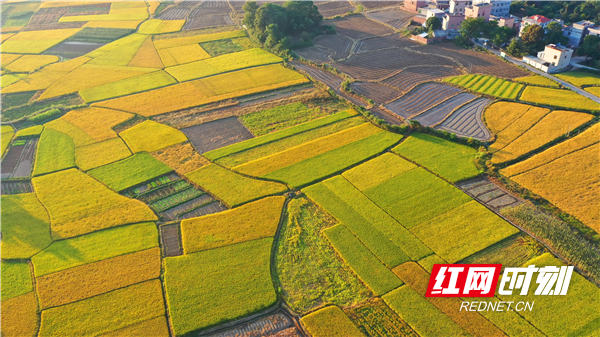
(454, 235)
(278, 323)
(280, 117)
(55, 152)
(578, 308)
(150, 136)
(580, 78)
(338, 46)
(377, 171)
(416, 196)
(16, 187)
(232, 188)
(558, 97)
(217, 134)
(379, 278)
(333, 8)
(218, 285)
(20, 315)
(252, 221)
(374, 316)
(209, 14)
(396, 18)
(421, 99)
(330, 321)
(79, 204)
(467, 121)
(452, 161)
(358, 27)
(18, 162)
(488, 193)
(16, 279)
(487, 85)
(537, 80)
(441, 111)
(376, 91)
(422, 316)
(107, 312)
(379, 232)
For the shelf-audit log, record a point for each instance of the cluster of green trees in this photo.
(274, 25)
(568, 11)
(534, 39)
(477, 27)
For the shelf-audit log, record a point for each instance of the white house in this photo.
(539, 20)
(552, 59)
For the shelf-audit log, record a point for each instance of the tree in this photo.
(470, 28)
(554, 34)
(502, 35)
(517, 48)
(533, 37)
(488, 28)
(590, 47)
(249, 8)
(433, 23)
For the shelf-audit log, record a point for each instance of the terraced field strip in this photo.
(334, 8)
(421, 99)
(438, 113)
(467, 121)
(376, 91)
(339, 46)
(314, 54)
(326, 77)
(200, 206)
(381, 42)
(488, 85)
(396, 18)
(16, 187)
(411, 77)
(210, 13)
(488, 193)
(170, 238)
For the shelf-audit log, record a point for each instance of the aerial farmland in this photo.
(290, 169)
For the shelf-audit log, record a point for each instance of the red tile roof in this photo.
(539, 18)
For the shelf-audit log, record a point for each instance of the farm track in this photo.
(467, 121)
(438, 113)
(421, 99)
(170, 238)
(16, 187)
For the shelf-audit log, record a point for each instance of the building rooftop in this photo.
(559, 48)
(436, 11)
(585, 23)
(537, 60)
(538, 18)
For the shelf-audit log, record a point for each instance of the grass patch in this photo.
(419, 313)
(93, 247)
(151, 136)
(100, 34)
(452, 161)
(330, 322)
(10, 101)
(377, 171)
(221, 64)
(383, 235)
(221, 47)
(370, 270)
(487, 85)
(25, 226)
(454, 235)
(78, 204)
(232, 188)
(579, 78)
(252, 221)
(537, 80)
(578, 309)
(16, 279)
(331, 162)
(92, 279)
(223, 284)
(182, 158)
(559, 98)
(31, 131)
(104, 313)
(56, 151)
(281, 117)
(208, 90)
(416, 196)
(127, 86)
(101, 153)
(129, 172)
(309, 270)
(259, 141)
(375, 318)
(7, 135)
(19, 112)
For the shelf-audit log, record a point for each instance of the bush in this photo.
(45, 115)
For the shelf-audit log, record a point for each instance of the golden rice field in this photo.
(79, 137)
(120, 52)
(6, 59)
(557, 97)
(96, 122)
(155, 26)
(146, 56)
(36, 42)
(537, 80)
(151, 136)
(168, 42)
(579, 78)
(157, 327)
(20, 316)
(46, 77)
(182, 158)
(593, 90)
(126, 10)
(78, 204)
(101, 153)
(127, 86)
(7, 134)
(182, 54)
(114, 24)
(29, 63)
(92, 279)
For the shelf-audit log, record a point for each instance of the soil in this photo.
(378, 92)
(411, 77)
(358, 27)
(379, 4)
(171, 240)
(210, 13)
(16, 187)
(73, 49)
(396, 18)
(421, 99)
(468, 121)
(18, 162)
(274, 325)
(217, 134)
(438, 113)
(489, 193)
(333, 8)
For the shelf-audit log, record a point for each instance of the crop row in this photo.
(419, 100)
(176, 199)
(487, 85)
(467, 121)
(409, 78)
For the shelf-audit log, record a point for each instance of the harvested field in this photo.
(179, 11)
(382, 42)
(409, 78)
(18, 162)
(375, 318)
(16, 187)
(333, 8)
(338, 45)
(218, 285)
(201, 206)
(73, 49)
(379, 4)
(488, 193)
(358, 27)
(210, 13)
(396, 17)
(383, 63)
(171, 240)
(330, 321)
(421, 99)
(478, 62)
(376, 91)
(182, 158)
(217, 134)
(331, 80)
(438, 113)
(276, 325)
(314, 54)
(468, 121)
